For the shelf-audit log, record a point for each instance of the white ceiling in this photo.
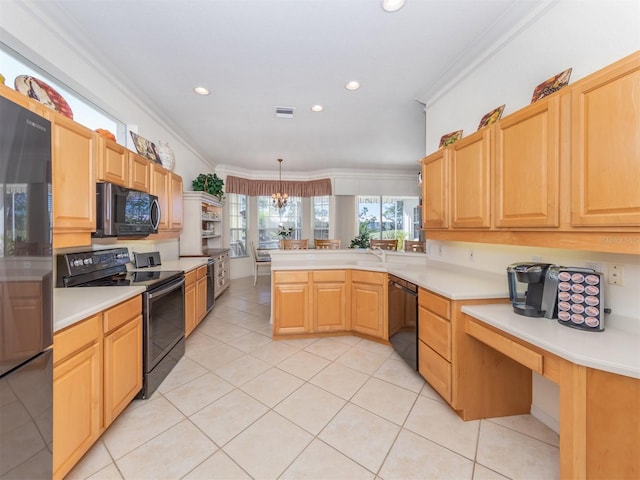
(255, 55)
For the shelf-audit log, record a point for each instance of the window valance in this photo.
(293, 188)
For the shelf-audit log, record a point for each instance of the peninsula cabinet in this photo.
(369, 303)
(291, 302)
(73, 182)
(330, 300)
(605, 153)
(97, 371)
(526, 167)
(470, 180)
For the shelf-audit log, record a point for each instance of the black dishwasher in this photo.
(403, 319)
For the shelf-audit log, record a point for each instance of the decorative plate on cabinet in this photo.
(42, 92)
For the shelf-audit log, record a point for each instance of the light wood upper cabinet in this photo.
(470, 180)
(139, 172)
(73, 186)
(526, 166)
(113, 162)
(176, 209)
(435, 190)
(160, 188)
(605, 154)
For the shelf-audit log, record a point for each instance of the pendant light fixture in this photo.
(279, 199)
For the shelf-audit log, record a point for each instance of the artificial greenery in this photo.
(363, 239)
(212, 184)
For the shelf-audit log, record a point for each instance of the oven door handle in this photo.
(168, 289)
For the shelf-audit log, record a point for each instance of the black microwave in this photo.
(122, 212)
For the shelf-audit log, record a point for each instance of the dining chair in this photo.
(413, 246)
(259, 260)
(327, 244)
(295, 244)
(384, 244)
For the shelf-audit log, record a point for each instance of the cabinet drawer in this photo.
(437, 304)
(190, 278)
(76, 337)
(329, 276)
(373, 278)
(122, 313)
(435, 370)
(435, 332)
(291, 277)
(521, 354)
(201, 272)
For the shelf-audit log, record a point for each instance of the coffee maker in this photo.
(541, 283)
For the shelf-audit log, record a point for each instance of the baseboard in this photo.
(545, 418)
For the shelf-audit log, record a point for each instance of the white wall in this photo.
(585, 35)
(24, 29)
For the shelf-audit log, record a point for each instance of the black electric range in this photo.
(163, 306)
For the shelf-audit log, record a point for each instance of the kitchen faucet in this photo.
(378, 252)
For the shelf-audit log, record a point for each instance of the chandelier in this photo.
(279, 199)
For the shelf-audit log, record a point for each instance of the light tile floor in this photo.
(241, 406)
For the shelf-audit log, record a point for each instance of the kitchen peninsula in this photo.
(490, 352)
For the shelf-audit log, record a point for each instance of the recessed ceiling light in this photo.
(352, 85)
(317, 108)
(392, 5)
(201, 91)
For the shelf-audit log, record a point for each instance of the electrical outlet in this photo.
(470, 254)
(616, 275)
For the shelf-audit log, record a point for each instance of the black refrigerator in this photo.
(26, 291)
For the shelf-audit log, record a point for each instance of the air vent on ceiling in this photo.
(284, 112)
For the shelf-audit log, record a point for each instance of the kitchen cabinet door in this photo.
(77, 393)
(435, 191)
(369, 303)
(160, 187)
(201, 293)
(74, 184)
(329, 301)
(605, 153)
(139, 172)
(176, 211)
(291, 303)
(526, 166)
(190, 303)
(23, 301)
(113, 162)
(122, 357)
(470, 181)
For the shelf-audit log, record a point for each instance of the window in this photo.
(238, 225)
(84, 112)
(320, 217)
(387, 218)
(270, 219)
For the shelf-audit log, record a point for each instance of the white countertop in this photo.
(450, 281)
(71, 305)
(615, 350)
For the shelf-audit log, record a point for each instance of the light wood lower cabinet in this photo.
(77, 392)
(291, 303)
(20, 339)
(97, 371)
(369, 303)
(190, 302)
(330, 300)
(201, 293)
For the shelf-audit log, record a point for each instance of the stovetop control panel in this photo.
(73, 264)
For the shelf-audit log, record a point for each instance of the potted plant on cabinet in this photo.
(210, 183)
